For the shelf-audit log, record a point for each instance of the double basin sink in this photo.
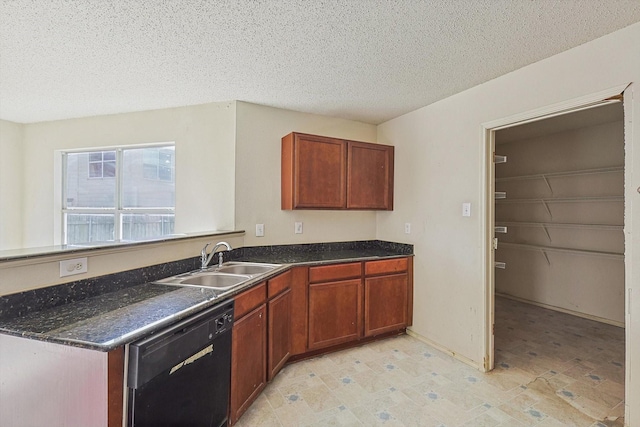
(223, 278)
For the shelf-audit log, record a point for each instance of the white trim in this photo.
(445, 350)
(588, 101)
(487, 218)
(631, 203)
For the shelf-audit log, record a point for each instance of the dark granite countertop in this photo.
(104, 321)
(137, 308)
(323, 253)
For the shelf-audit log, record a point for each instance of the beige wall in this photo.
(259, 132)
(11, 179)
(441, 153)
(205, 156)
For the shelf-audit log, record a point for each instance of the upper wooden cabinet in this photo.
(369, 176)
(314, 172)
(328, 173)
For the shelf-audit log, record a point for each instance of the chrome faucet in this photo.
(204, 259)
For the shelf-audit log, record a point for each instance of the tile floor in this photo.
(552, 369)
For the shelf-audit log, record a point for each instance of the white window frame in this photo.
(118, 211)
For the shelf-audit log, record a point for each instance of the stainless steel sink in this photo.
(216, 280)
(207, 279)
(227, 277)
(246, 268)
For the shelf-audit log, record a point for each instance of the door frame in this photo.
(488, 130)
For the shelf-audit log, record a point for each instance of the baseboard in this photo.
(445, 350)
(562, 310)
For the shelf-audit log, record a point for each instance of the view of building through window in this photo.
(121, 194)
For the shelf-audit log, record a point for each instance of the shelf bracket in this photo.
(546, 206)
(500, 229)
(544, 254)
(546, 181)
(544, 227)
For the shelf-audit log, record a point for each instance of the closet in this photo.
(559, 213)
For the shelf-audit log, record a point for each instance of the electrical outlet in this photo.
(259, 230)
(466, 209)
(407, 228)
(69, 267)
(298, 228)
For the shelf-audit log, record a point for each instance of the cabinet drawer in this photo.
(326, 273)
(248, 300)
(279, 284)
(385, 266)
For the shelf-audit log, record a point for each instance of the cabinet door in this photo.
(370, 176)
(385, 303)
(279, 310)
(335, 312)
(314, 171)
(299, 310)
(248, 360)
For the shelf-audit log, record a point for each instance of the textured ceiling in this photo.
(368, 60)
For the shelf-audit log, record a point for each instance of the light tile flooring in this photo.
(552, 369)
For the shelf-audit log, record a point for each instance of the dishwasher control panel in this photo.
(224, 322)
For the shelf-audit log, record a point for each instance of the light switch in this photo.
(259, 230)
(298, 228)
(466, 209)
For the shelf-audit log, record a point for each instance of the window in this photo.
(102, 164)
(158, 164)
(122, 194)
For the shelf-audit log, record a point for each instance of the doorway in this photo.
(557, 295)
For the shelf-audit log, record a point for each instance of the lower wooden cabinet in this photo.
(335, 312)
(387, 295)
(308, 309)
(248, 360)
(261, 341)
(385, 307)
(279, 314)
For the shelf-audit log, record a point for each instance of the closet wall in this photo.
(563, 213)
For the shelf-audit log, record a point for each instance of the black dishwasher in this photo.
(180, 376)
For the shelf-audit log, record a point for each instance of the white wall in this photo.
(440, 150)
(259, 132)
(32, 395)
(11, 177)
(205, 157)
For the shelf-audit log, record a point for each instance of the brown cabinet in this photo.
(248, 350)
(261, 341)
(279, 311)
(308, 309)
(314, 172)
(386, 296)
(279, 315)
(335, 306)
(329, 173)
(370, 176)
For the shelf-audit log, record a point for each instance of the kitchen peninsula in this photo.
(95, 329)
